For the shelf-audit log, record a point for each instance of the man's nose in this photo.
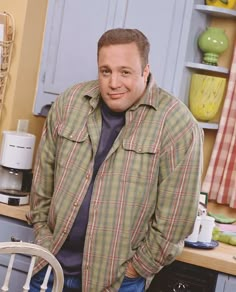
(114, 80)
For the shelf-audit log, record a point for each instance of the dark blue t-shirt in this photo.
(71, 254)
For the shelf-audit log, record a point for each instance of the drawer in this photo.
(10, 230)
(13, 229)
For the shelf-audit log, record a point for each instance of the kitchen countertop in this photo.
(219, 259)
(16, 212)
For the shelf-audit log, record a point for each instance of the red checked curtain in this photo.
(220, 180)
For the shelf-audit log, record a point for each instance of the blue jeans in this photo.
(133, 285)
(73, 284)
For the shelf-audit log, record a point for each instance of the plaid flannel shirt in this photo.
(146, 192)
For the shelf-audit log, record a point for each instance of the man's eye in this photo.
(125, 73)
(105, 72)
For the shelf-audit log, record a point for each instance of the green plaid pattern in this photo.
(146, 192)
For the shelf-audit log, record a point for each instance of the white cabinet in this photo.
(73, 28)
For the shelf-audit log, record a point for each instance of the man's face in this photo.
(121, 78)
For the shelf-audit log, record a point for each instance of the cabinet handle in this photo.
(180, 287)
(14, 239)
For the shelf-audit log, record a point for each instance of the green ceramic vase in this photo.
(212, 42)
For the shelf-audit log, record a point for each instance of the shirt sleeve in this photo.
(177, 201)
(43, 178)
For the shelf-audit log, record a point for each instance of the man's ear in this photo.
(146, 72)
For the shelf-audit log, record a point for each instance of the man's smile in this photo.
(116, 95)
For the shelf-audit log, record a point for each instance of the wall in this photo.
(29, 16)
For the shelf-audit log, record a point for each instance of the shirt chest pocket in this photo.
(141, 160)
(72, 146)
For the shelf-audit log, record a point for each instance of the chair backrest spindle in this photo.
(34, 251)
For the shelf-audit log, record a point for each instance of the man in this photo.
(117, 175)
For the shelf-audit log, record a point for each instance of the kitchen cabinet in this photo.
(217, 264)
(15, 230)
(184, 277)
(225, 283)
(74, 27)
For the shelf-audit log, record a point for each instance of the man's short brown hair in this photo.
(118, 36)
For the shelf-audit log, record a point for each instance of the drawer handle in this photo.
(14, 239)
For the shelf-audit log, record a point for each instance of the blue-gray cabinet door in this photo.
(74, 26)
(164, 24)
(69, 48)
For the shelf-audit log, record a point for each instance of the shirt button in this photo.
(64, 231)
(87, 176)
(75, 204)
(71, 136)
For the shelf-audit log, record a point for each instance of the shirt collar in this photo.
(150, 97)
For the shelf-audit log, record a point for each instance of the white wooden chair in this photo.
(33, 251)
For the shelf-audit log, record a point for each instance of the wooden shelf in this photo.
(216, 11)
(210, 68)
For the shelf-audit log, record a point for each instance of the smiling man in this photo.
(117, 176)
(122, 76)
